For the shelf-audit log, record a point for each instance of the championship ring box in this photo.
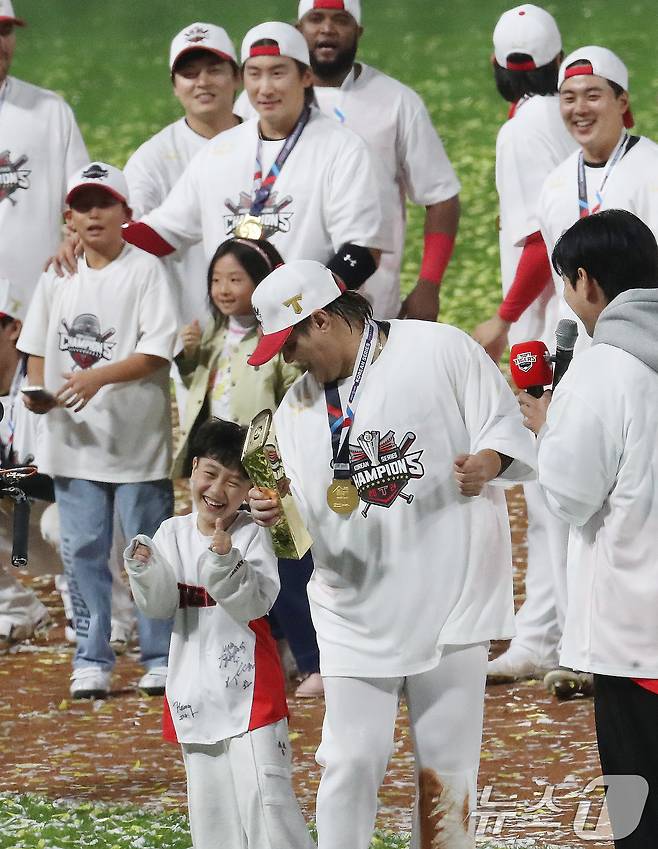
(260, 457)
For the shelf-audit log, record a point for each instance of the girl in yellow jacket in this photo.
(213, 363)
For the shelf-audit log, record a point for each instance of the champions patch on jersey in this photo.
(381, 469)
(272, 218)
(84, 340)
(12, 176)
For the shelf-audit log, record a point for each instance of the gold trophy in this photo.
(261, 459)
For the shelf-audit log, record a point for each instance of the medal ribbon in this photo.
(340, 422)
(583, 202)
(262, 188)
(4, 88)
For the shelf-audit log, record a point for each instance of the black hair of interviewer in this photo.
(614, 247)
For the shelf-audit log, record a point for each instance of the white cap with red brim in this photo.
(291, 293)
(526, 29)
(597, 62)
(10, 307)
(200, 36)
(288, 41)
(99, 174)
(7, 15)
(351, 6)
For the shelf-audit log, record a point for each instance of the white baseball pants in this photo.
(240, 794)
(445, 715)
(540, 619)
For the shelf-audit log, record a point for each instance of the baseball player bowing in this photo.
(291, 175)
(398, 442)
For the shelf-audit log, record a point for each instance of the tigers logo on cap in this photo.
(200, 36)
(99, 174)
(291, 293)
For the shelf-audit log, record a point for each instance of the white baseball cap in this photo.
(287, 296)
(7, 14)
(99, 174)
(526, 29)
(351, 6)
(289, 42)
(597, 62)
(10, 307)
(201, 36)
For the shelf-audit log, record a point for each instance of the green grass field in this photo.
(110, 62)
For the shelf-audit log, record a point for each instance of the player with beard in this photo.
(407, 154)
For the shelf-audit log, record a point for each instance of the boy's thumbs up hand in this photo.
(221, 540)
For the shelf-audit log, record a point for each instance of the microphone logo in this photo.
(524, 361)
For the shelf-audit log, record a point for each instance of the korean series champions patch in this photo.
(12, 176)
(272, 218)
(381, 468)
(85, 342)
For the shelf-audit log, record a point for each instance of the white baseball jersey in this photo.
(598, 462)
(224, 673)
(40, 147)
(94, 318)
(407, 154)
(529, 146)
(632, 185)
(152, 171)
(325, 195)
(417, 565)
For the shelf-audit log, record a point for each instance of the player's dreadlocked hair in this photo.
(513, 85)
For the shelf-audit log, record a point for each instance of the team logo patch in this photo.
(381, 468)
(12, 176)
(273, 219)
(525, 361)
(85, 342)
(295, 303)
(95, 172)
(196, 34)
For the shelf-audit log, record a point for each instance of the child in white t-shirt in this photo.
(216, 572)
(100, 343)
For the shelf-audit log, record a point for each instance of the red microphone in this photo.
(530, 364)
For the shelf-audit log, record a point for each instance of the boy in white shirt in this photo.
(108, 440)
(215, 571)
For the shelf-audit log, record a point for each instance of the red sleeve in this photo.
(650, 684)
(532, 274)
(142, 236)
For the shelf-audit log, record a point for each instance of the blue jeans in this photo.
(86, 511)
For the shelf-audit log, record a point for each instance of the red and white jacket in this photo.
(224, 676)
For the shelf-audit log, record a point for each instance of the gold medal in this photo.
(342, 496)
(251, 227)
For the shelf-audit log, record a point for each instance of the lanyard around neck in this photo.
(583, 200)
(262, 188)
